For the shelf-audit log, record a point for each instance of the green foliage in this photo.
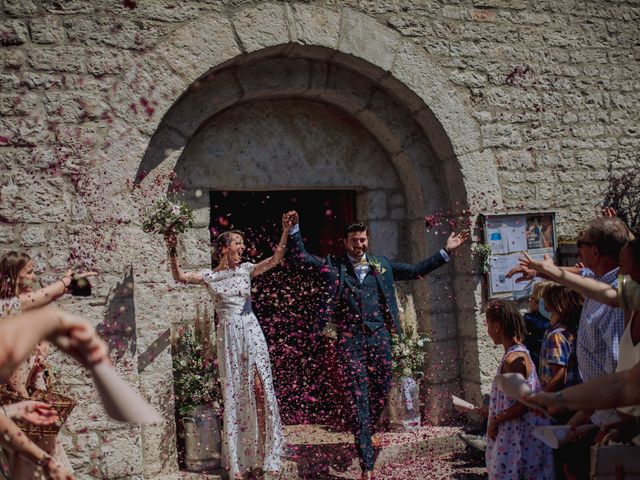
(483, 252)
(195, 372)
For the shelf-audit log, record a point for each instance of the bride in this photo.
(252, 431)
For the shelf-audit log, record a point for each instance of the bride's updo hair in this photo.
(224, 240)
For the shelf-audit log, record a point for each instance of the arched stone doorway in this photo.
(340, 59)
(292, 123)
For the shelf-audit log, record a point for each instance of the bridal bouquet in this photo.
(168, 217)
(407, 351)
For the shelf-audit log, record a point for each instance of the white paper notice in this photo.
(507, 234)
(498, 238)
(500, 265)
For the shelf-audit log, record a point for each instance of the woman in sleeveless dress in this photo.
(252, 430)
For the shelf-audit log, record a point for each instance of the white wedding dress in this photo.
(242, 351)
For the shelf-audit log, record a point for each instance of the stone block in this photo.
(384, 238)
(347, 89)
(9, 81)
(20, 8)
(8, 234)
(158, 449)
(445, 119)
(41, 81)
(103, 61)
(374, 206)
(34, 235)
(80, 449)
(197, 247)
(114, 32)
(468, 79)
(481, 180)
(437, 402)
(398, 214)
(313, 25)
(441, 363)
(391, 124)
(74, 107)
(510, 4)
(34, 199)
(202, 100)
(479, 359)
(146, 92)
(363, 37)
(47, 29)
(497, 135)
(122, 453)
(14, 59)
(168, 11)
(57, 59)
(190, 51)
(281, 76)
(440, 296)
(68, 6)
(13, 32)
(261, 27)
(439, 326)
(18, 105)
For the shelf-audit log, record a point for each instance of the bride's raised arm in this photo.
(194, 278)
(268, 263)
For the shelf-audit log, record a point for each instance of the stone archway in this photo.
(296, 51)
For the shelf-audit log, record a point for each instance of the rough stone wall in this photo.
(551, 87)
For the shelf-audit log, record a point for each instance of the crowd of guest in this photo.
(577, 349)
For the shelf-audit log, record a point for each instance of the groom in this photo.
(364, 310)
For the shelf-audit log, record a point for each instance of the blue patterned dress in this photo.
(516, 454)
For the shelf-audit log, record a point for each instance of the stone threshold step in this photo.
(316, 452)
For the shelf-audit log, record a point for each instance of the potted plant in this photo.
(197, 393)
(407, 354)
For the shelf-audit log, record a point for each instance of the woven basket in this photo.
(61, 403)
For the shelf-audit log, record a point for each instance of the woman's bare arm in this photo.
(48, 294)
(587, 287)
(19, 335)
(608, 391)
(192, 278)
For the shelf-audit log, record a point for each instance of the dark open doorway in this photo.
(306, 372)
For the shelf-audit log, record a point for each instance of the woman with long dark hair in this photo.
(18, 295)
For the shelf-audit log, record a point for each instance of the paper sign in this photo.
(461, 405)
(500, 265)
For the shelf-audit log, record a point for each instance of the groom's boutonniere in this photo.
(377, 266)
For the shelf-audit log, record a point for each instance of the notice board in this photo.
(509, 235)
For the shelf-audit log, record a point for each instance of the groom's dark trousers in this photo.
(365, 313)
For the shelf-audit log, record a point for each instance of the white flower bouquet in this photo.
(168, 217)
(407, 351)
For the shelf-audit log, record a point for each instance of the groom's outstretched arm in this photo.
(413, 271)
(296, 251)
